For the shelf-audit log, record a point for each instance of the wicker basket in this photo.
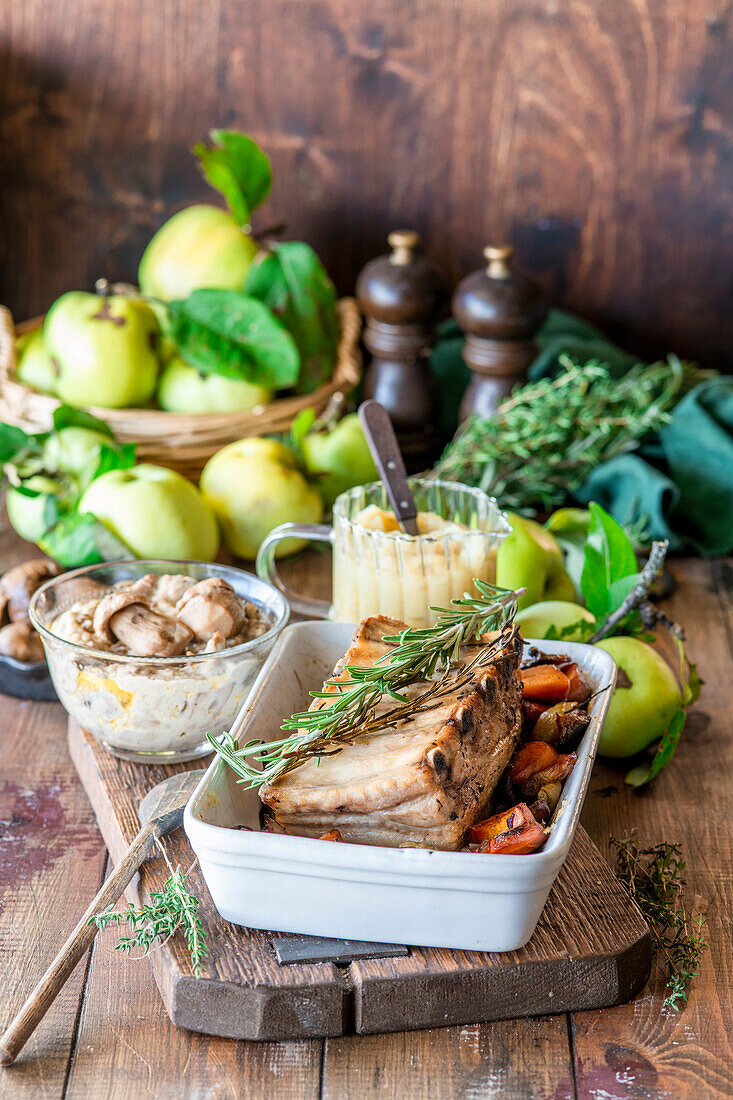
(182, 441)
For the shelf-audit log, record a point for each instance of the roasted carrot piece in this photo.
(332, 834)
(500, 823)
(579, 689)
(544, 684)
(534, 757)
(516, 842)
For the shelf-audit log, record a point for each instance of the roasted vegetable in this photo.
(534, 757)
(530, 714)
(579, 689)
(499, 823)
(547, 799)
(520, 838)
(536, 764)
(544, 684)
(561, 725)
(332, 834)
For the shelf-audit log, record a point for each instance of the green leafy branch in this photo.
(604, 567)
(654, 879)
(168, 910)
(549, 435)
(70, 537)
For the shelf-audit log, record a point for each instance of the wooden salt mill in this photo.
(402, 296)
(500, 309)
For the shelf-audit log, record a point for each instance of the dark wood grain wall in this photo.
(597, 135)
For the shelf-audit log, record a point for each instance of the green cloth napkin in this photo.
(680, 480)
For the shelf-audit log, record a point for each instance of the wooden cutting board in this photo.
(590, 949)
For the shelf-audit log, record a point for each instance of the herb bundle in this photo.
(351, 709)
(549, 435)
(168, 910)
(654, 879)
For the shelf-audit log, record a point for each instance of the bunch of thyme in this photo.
(549, 435)
(169, 909)
(350, 702)
(654, 879)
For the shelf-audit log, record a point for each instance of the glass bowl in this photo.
(154, 709)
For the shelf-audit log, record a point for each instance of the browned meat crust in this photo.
(423, 781)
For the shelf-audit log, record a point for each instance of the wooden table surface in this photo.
(108, 1036)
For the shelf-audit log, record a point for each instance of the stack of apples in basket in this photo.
(221, 323)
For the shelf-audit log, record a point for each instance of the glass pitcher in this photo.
(389, 572)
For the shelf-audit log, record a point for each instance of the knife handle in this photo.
(380, 435)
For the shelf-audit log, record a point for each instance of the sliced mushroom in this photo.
(120, 616)
(19, 584)
(209, 607)
(20, 640)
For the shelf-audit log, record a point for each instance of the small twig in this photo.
(638, 593)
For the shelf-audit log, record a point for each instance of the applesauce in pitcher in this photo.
(378, 569)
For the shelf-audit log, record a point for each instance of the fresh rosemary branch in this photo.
(169, 909)
(654, 879)
(549, 435)
(350, 706)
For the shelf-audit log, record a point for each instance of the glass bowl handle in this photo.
(267, 570)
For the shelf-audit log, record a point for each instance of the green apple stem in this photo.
(105, 289)
(637, 597)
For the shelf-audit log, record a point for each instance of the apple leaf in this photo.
(292, 281)
(13, 440)
(644, 773)
(580, 630)
(300, 427)
(608, 558)
(106, 457)
(236, 166)
(227, 332)
(80, 539)
(65, 416)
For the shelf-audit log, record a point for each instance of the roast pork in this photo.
(421, 782)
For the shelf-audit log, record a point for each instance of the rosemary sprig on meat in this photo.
(549, 435)
(350, 702)
(654, 879)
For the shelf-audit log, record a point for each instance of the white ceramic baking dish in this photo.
(364, 892)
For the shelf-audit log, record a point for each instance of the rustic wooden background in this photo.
(597, 136)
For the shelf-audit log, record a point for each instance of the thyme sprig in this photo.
(654, 879)
(549, 435)
(169, 909)
(350, 702)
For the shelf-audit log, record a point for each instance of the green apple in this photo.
(182, 389)
(646, 696)
(201, 246)
(536, 621)
(105, 349)
(341, 458)
(27, 515)
(252, 486)
(35, 367)
(531, 558)
(70, 449)
(155, 511)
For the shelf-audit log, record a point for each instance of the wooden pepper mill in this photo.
(500, 309)
(402, 296)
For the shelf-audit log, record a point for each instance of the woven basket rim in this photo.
(145, 422)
